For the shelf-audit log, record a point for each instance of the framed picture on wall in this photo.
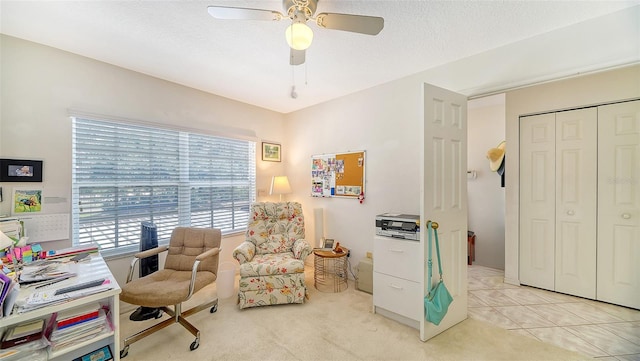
(27, 200)
(271, 152)
(16, 170)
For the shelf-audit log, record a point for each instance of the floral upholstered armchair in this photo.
(272, 256)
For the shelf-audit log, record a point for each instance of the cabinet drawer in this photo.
(398, 258)
(398, 295)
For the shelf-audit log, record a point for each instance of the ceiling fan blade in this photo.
(370, 25)
(231, 13)
(297, 57)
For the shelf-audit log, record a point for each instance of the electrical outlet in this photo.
(369, 255)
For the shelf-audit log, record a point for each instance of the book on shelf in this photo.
(68, 336)
(22, 333)
(77, 315)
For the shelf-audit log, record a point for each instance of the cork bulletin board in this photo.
(338, 175)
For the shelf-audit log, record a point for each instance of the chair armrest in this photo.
(244, 252)
(151, 252)
(194, 270)
(143, 254)
(209, 253)
(301, 249)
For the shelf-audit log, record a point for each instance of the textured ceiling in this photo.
(248, 60)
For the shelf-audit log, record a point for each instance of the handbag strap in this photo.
(429, 262)
(430, 231)
(435, 231)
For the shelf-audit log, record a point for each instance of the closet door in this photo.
(537, 200)
(619, 204)
(575, 208)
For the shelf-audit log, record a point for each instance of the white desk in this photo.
(87, 270)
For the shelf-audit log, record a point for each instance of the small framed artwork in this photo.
(271, 152)
(27, 201)
(16, 170)
(328, 243)
(101, 354)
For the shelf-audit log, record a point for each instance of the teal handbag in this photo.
(438, 299)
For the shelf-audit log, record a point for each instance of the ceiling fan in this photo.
(299, 35)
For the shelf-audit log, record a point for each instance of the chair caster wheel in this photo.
(194, 345)
(213, 309)
(124, 352)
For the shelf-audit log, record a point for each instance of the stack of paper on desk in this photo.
(49, 297)
(72, 251)
(43, 272)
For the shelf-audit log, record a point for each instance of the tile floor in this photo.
(596, 329)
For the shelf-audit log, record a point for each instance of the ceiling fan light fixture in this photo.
(299, 36)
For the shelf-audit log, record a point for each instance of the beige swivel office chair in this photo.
(191, 264)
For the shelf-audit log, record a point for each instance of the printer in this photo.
(403, 226)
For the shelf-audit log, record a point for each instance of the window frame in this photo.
(184, 184)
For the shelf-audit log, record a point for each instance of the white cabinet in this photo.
(579, 200)
(397, 274)
(90, 270)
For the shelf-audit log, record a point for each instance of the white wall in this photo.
(386, 122)
(485, 130)
(615, 85)
(40, 84)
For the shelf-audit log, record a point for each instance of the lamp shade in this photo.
(280, 185)
(299, 36)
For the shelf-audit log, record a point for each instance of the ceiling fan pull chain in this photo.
(294, 94)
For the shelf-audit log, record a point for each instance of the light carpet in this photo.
(329, 326)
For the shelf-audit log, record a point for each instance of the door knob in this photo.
(626, 215)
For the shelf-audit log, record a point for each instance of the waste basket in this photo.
(226, 279)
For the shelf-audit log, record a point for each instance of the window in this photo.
(124, 174)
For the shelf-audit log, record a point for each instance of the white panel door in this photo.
(619, 204)
(576, 189)
(444, 198)
(537, 200)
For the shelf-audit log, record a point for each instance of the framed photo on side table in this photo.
(271, 152)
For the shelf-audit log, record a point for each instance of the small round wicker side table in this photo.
(330, 270)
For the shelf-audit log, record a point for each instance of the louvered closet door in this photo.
(576, 175)
(537, 200)
(619, 204)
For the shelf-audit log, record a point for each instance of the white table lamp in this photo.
(280, 185)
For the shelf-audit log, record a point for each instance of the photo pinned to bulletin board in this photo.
(338, 175)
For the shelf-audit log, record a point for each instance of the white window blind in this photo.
(124, 174)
